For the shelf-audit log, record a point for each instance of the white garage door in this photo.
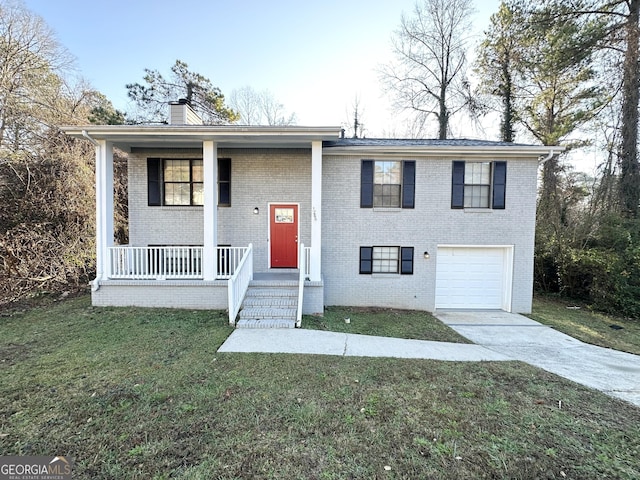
(473, 277)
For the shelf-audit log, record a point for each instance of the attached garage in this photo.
(474, 277)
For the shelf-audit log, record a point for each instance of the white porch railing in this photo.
(174, 262)
(238, 284)
(306, 261)
(140, 263)
(228, 260)
(304, 272)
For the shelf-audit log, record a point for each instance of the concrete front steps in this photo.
(269, 304)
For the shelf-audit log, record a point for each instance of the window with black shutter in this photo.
(172, 181)
(366, 259)
(224, 182)
(478, 184)
(154, 191)
(406, 256)
(387, 183)
(384, 259)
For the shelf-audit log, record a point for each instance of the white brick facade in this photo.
(431, 223)
(272, 164)
(258, 177)
(263, 176)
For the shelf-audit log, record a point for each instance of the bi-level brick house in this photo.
(412, 224)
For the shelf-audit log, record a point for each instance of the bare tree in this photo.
(428, 75)
(259, 108)
(353, 125)
(30, 56)
(46, 178)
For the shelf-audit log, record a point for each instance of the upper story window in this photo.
(478, 184)
(387, 183)
(180, 182)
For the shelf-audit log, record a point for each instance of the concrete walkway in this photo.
(317, 342)
(615, 373)
(498, 336)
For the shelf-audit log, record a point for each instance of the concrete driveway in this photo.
(520, 338)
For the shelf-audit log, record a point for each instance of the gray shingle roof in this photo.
(426, 142)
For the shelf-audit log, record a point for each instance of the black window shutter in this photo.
(154, 181)
(406, 257)
(408, 184)
(366, 259)
(499, 184)
(457, 185)
(366, 184)
(224, 181)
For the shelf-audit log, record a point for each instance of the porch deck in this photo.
(277, 275)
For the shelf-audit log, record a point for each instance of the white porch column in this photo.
(210, 210)
(104, 208)
(315, 273)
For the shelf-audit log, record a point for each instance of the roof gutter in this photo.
(449, 150)
(86, 135)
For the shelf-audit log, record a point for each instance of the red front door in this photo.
(284, 236)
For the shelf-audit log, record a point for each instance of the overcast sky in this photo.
(315, 57)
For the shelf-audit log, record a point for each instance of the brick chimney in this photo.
(181, 113)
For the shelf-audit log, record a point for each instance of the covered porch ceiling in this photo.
(127, 137)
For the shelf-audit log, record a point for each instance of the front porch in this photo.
(172, 277)
(197, 191)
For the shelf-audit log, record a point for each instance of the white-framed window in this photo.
(387, 184)
(477, 184)
(180, 182)
(386, 259)
(183, 182)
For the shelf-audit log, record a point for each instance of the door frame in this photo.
(297, 205)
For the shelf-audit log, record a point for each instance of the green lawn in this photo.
(142, 394)
(384, 322)
(588, 326)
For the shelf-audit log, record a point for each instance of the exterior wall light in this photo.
(426, 255)
(256, 211)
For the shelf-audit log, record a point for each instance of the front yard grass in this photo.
(588, 326)
(383, 322)
(142, 394)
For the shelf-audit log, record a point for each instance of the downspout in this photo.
(95, 285)
(545, 159)
(86, 135)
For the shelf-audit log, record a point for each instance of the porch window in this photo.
(478, 184)
(387, 183)
(180, 181)
(183, 182)
(386, 260)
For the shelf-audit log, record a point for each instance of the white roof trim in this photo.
(188, 136)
